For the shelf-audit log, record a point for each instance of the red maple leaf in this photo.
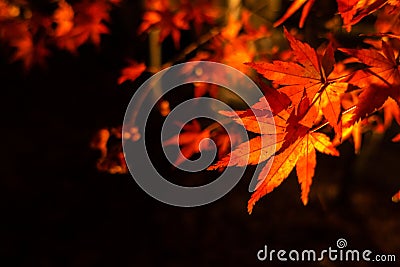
(300, 154)
(131, 72)
(260, 120)
(389, 20)
(352, 11)
(88, 24)
(396, 197)
(169, 20)
(190, 141)
(378, 81)
(310, 82)
(200, 12)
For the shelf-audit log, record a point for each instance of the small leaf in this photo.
(379, 80)
(131, 72)
(189, 140)
(396, 197)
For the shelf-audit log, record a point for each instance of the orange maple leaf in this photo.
(309, 82)
(389, 19)
(131, 72)
(63, 18)
(200, 12)
(162, 16)
(391, 112)
(8, 10)
(259, 120)
(352, 11)
(190, 141)
(396, 197)
(396, 139)
(88, 24)
(300, 154)
(379, 80)
(30, 53)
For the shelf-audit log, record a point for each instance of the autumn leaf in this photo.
(30, 53)
(352, 11)
(389, 20)
(391, 111)
(88, 24)
(190, 141)
(296, 5)
(252, 152)
(301, 154)
(22, 35)
(305, 169)
(396, 197)
(224, 141)
(347, 10)
(260, 120)
(379, 80)
(169, 21)
(350, 130)
(131, 72)
(200, 12)
(396, 139)
(8, 10)
(309, 81)
(63, 18)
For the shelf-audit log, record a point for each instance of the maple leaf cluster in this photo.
(308, 90)
(308, 93)
(351, 11)
(318, 95)
(32, 33)
(171, 18)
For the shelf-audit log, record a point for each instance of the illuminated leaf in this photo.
(88, 24)
(307, 82)
(396, 197)
(169, 21)
(189, 141)
(132, 72)
(352, 11)
(305, 169)
(64, 18)
(301, 153)
(380, 80)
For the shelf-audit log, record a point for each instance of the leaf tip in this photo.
(396, 197)
(304, 200)
(250, 207)
(396, 139)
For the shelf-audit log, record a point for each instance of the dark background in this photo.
(58, 210)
